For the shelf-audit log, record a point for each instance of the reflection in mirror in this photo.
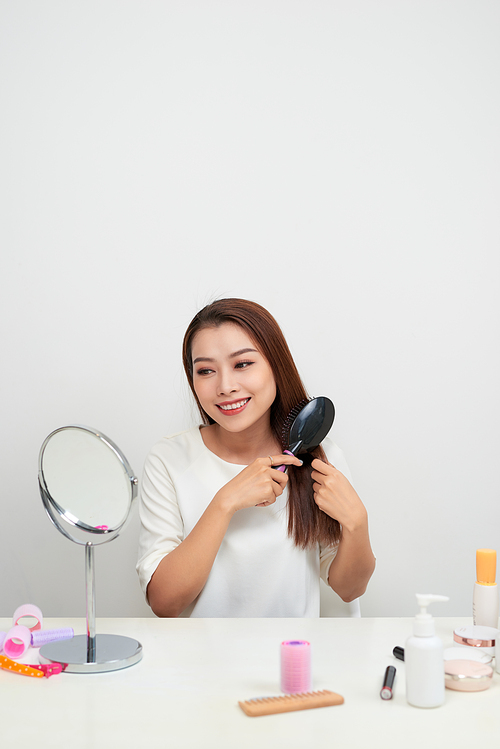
(88, 489)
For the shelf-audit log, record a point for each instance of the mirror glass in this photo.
(86, 480)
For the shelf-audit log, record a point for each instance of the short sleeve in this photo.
(326, 557)
(162, 528)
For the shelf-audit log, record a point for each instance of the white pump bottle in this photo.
(424, 664)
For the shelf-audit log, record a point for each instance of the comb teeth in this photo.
(287, 424)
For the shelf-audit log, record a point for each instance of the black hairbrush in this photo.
(306, 426)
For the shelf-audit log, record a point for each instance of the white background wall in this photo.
(337, 162)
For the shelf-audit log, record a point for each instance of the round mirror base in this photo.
(112, 652)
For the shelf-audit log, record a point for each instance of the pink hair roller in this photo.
(17, 641)
(43, 636)
(30, 611)
(295, 666)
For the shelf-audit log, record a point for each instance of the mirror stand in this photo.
(92, 653)
(90, 597)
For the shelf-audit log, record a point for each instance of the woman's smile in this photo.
(233, 407)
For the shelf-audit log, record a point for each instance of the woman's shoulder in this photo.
(178, 449)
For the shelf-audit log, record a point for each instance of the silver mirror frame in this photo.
(72, 525)
(90, 653)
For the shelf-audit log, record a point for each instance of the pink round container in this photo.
(467, 676)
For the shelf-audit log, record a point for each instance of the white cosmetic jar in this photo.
(477, 636)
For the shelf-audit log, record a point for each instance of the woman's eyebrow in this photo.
(243, 351)
(231, 356)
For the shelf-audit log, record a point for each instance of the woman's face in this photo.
(232, 379)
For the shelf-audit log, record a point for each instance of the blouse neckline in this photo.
(225, 462)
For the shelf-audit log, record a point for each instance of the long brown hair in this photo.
(307, 524)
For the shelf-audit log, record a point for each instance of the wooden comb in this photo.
(290, 702)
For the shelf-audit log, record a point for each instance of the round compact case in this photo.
(467, 676)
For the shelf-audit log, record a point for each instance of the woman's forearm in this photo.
(182, 574)
(353, 565)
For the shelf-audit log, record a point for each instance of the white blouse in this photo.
(258, 571)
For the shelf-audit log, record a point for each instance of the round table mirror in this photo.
(88, 489)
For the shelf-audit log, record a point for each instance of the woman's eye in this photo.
(204, 371)
(243, 364)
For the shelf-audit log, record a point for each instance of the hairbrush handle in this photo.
(283, 467)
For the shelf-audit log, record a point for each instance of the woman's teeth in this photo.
(233, 406)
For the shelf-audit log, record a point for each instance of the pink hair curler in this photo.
(295, 666)
(17, 641)
(28, 611)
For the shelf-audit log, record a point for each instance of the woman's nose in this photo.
(227, 383)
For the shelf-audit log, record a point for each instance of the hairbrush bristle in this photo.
(287, 424)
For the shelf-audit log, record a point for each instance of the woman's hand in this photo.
(258, 485)
(335, 496)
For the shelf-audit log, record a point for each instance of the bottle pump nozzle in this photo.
(424, 623)
(425, 599)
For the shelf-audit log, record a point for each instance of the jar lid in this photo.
(476, 636)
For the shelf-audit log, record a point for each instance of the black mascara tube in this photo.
(389, 676)
(399, 652)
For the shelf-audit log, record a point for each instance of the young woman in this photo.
(223, 532)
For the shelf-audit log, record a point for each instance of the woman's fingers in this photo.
(320, 467)
(259, 484)
(284, 459)
(266, 503)
(281, 462)
(335, 496)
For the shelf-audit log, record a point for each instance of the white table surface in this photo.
(185, 691)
